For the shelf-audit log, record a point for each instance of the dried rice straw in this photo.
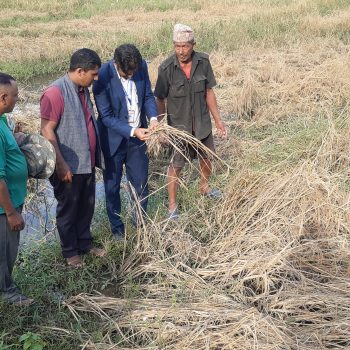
(179, 140)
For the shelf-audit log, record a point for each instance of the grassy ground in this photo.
(282, 68)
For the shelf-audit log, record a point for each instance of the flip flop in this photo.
(75, 262)
(98, 252)
(173, 215)
(214, 193)
(20, 300)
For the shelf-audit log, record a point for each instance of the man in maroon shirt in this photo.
(52, 107)
(67, 121)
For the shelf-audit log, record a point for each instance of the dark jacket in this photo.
(112, 108)
(187, 107)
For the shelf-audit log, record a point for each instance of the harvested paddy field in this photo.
(268, 267)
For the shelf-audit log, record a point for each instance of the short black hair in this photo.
(127, 57)
(86, 59)
(6, 79)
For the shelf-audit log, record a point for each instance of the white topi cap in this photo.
(183, 33)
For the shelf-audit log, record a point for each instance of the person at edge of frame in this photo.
(125, 102)
(184, 89)
(13, 190)
(68, 122)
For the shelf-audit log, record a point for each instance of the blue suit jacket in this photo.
(112, 108)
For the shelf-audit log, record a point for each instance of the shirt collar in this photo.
(122, 79)
(4, 119)
(77, 88)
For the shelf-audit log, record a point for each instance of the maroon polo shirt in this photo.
(52, 107)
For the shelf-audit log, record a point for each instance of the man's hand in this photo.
(63, 172)
(15, 221)
(141, 133)
(153, 124)
(221, 130)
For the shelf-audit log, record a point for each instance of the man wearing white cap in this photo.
(185, 82)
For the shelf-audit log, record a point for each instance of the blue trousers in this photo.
(132, 154)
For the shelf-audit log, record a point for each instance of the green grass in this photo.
(256, 30)
(40, 269)
(276, 28)
(29, 70)
(285, 143)
(72, 9)
(86, 9)
(18, 20)
(328, 7)
(41, 273)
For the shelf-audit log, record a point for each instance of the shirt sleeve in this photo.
(2, 158)
(211, 82)
(162, 85)
(52, 104)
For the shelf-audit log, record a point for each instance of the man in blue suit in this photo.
(124, 101)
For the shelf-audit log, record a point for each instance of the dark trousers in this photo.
(9, 242)
(132, 153)
(75, 208)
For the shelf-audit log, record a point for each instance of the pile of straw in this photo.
(266, 270)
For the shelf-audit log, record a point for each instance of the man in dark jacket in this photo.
(185, 82)
(124, 101)
(68, 122)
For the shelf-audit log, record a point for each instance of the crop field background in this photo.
(266, 268)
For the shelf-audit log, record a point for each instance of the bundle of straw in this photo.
(164, 135)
